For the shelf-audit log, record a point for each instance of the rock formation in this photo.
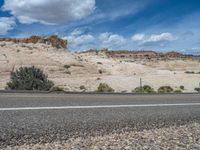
(53, 40)
(134, 54)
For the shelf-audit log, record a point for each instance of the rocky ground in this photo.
(184, 137)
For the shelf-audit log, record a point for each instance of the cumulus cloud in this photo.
(49, 11)
(6, 24)
(138, 37)
(111, 40)
(77, 39)
(154, 38)
(76, 32)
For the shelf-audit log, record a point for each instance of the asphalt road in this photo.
(41, 118)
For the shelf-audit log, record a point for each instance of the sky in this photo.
(161, 25)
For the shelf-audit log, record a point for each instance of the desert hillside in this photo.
(122, 70)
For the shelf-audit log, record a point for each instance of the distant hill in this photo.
(142, 54)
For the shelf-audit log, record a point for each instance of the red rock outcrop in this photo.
(135, 54)
(54, 40)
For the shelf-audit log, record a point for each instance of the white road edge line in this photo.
(100, 106)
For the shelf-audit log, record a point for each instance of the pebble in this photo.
(172, 138)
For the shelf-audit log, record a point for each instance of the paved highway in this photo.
(37, 118)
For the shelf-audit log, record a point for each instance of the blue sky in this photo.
(162, 25)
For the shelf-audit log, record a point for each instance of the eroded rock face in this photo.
(54, 40)
(134, 54)
(173, 54)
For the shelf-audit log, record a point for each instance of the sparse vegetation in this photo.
(189, 72)
(165, 89)
(197, 89)
(100, 72)
(57, 89)
(182, 87)
(103, 87)
(144, 89)
(178, 91)
(77, 65)
(68, 72)
(99, 63)
(67, 66)
(29, 78)
(82, 87)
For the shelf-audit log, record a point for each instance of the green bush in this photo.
(100, 71)
(165, 89)
(67, 66)
(57, 89)
(182, 87)
(29, 78)
(144, 89)
(178, 91)
(82, 87)
(103, 87)
(197, 89)
(99, 63)
(190, 72)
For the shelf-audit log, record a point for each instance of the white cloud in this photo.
(49, 11)
(77, 39)
(6, 24)
(138, 37)
(111, 40)
(154, 38)
(161, 37)
(77, 32)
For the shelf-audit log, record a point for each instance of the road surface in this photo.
(40, 118)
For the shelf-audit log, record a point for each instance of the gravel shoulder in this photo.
(174, 137)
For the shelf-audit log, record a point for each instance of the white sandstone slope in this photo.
(44, 56)
(122, 75)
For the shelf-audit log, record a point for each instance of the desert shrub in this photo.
(82, 87)
(29, 78)
(67, 66)
(57, 89)
(190, 72)
(178, 91)
(144, 89)
(68, 72)
(197, 89)
(99, 63)
(103, 87)
(182, 87)
(165, 89)
(100, 71)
